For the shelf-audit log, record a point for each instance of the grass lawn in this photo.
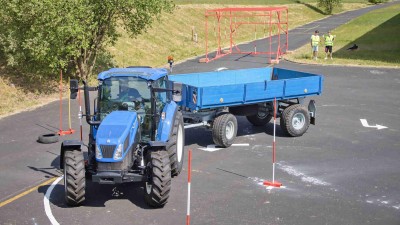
(172, 35)
(377, 38)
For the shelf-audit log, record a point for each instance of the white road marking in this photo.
(291, 171)
(365, 124)
(244, 144)
(220, 69)
(47, 202)
(213, 148)
(210, 148)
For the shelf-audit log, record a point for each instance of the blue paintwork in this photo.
(165, 126)
(150, 74)
(246, 86)
(115, 128)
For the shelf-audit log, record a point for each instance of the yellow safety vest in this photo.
(329, 40)
(314, 40)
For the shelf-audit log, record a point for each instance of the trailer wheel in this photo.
(158, 183)
(224, 130)
(295, 120)
(175, 145)
(74, 177)
(259, 119)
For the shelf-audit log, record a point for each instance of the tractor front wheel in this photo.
(158, 183)
(176, 144)
(74, 177)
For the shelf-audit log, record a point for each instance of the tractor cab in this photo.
(133, 89)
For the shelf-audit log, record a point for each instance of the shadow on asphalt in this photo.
(98, 195)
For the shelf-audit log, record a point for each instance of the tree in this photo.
(328, 5)
(49, 35)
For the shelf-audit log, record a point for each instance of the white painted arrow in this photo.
(365, 124)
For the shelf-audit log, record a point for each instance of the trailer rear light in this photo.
(118, 152)
(98, 153)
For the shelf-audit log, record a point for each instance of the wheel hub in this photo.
(298, 121)
(229, 130)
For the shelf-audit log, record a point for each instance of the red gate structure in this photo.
(235, 21)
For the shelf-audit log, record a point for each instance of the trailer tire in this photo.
(259, 120)
(158, 183)
(224, 130)
(295, 120)
(48, 138)
(176, 145)
(74, 177)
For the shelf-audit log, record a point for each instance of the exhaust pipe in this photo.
(88, 115)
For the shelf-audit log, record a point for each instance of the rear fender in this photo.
(165, 125)
(69, 145)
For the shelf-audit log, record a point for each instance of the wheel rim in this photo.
(179, 143)
(261, 115)
(229, 130)
(298, 121)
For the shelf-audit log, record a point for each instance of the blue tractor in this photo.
(136, 134)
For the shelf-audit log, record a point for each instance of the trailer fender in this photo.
(312, 109)
(69, 145)
(166, 122)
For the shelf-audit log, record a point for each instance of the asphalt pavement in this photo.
(339, 172)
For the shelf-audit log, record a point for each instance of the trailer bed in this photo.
(246, 86)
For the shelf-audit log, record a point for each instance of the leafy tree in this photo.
(48, 35)
(329, 5)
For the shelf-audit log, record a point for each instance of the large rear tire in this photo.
(74, 177)
(224, 130)
(158, 184)
(176, 144)
(295, 120)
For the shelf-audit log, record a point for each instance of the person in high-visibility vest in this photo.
(328, 44)
(314, 44)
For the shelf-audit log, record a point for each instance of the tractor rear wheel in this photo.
(74, 177)
(176, 144)
(295, 120)
(158, 183)
(224, 130)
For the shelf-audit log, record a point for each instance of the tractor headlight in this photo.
(118, 152)
(98, 153)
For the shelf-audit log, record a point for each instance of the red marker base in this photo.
(273, 184)
(65, 132)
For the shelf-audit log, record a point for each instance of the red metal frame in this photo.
(271, 16)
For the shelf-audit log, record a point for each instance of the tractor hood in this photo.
(117, 130)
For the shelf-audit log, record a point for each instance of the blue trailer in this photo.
(213, 99)
(137, 128)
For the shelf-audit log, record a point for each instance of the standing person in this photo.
(328, 44)
(314, 44)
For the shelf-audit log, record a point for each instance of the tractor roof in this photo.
(142, 72)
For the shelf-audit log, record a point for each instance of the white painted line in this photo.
(213, 148)
(243, 144)
(210, 148)
(220, 69)
(365, 124)
(47, 202)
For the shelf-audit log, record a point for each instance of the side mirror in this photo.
(177, 94)
(73, 86)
